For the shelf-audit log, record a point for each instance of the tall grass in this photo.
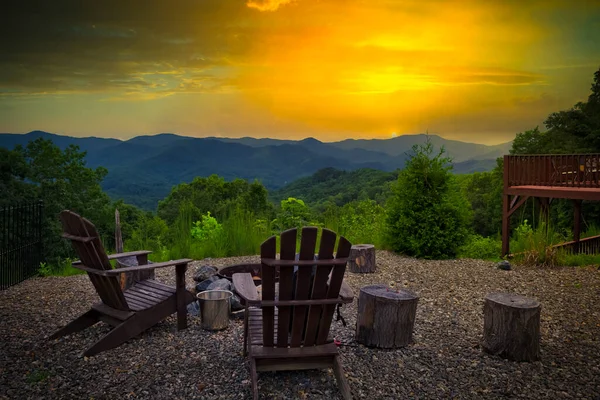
(534, 246)
(240, 234)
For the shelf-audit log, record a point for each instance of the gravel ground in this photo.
(445, 360)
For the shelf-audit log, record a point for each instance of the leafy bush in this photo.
(428, 215)
(479, 247)
(208, 228)
(293, 214)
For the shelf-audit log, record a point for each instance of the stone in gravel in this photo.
(204, 272)
(202, 286)
(194, 308)
(503, 265)
(220, 284)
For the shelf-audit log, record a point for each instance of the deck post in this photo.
(576, 225)
(505, 211)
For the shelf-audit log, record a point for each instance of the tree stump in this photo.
(511, 327)
(386, 317)
(362, 258)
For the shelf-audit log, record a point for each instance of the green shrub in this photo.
(479, 247)
(208, 228)
(428, 215)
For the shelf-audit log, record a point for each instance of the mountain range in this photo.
(143, 169)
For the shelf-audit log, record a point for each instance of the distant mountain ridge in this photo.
(143, 169)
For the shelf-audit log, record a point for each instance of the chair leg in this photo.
(84, 321)
(254, 378)
(246, 331)
(342, 382)
(128, 329)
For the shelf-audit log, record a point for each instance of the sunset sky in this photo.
(477, 71)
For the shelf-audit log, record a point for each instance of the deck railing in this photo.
(588, 245)
(567, 170)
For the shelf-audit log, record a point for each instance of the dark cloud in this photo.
(99, 46)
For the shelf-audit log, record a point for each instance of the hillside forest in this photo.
(423, 210)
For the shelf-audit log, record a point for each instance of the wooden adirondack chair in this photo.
(289, 330)
(131, 311)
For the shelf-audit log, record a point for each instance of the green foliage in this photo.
(427, 215)
(484, 191)
(61, 180)
(61, 268)
(208, 228)
(150, 233)
(581, 260)
(358, 221)
(533, 246)
(332, 186)
(479, 247)
(214, 195)
(293, 214)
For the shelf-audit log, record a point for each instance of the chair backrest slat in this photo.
(335, 284)
(319, 289)
(92, 255)
(268, 250)
(286, 289)
(303, 283)
(301, 325)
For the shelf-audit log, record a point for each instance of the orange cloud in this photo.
(267, 5)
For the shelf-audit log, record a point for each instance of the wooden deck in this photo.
(555, 192)
(547, 177)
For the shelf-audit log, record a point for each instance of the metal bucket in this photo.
(215, 306)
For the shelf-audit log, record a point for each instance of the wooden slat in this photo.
(137, 304)
(148, 292)
(337, 275)
(265, 364)
(319, 289)
(303, 283)
(160, 287)
(286, 289)
(268, 250)
(293, 352)
(301, 263)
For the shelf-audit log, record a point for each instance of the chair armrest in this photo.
(273, 262)
(120, 255)
(118, 271)
(101, 272)
(245, 287)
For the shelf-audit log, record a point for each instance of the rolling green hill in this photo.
(143, 169)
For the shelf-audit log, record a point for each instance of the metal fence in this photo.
(20, 242)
